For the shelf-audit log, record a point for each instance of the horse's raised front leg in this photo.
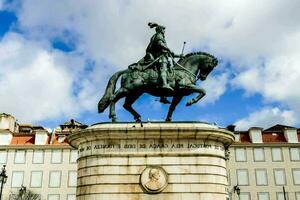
(194, 88)
(120, 93)
(175, 101)
(129, 100)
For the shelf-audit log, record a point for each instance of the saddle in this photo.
(146, 68)
(138, 70)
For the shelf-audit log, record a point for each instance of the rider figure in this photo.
(158, 49)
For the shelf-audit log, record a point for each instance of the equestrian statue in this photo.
(156, 75)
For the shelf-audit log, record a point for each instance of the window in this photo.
(242, 176)
(3, 157)
(295, 154)
(237, 137)
(72, 181)
(38, 157)
(56, 156)
(297, 195)
(280, 196)
(54, 178)
(244, 196)
(255, 135)
(296, 176)
(276, 154)
(53, 196)
(263, 196)
(240, 155)
(261, 177)
(71, 197)
(259, 154)
(73, 156)
(279, 175)
(36, 179)
(17, 178)
(20, 157)
(291, 135)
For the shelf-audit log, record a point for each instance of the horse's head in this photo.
(207, 65)
(198, 61)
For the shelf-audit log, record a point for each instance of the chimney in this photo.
(7, 128)
(231, 128)
(7, 122)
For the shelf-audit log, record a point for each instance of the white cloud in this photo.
(34, 84)
(215, 87)
(261, 39)
(267, 117)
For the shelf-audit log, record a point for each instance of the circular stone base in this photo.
(161, 161)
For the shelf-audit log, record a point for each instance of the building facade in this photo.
(38, 160)
(265, 164)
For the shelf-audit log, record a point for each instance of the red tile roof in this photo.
(30, 140)
(22, 140)
(269, 137)
(244, 137)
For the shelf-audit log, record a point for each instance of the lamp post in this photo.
(237, 189)
(3, 179)
(22, 191)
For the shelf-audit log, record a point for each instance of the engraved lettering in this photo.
(208, 146)
(129, 146)
(155, 146)
(178, 146)
(194, 146)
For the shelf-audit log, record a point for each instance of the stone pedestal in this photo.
(157, 161)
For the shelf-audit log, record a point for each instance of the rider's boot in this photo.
(163, 76)
(167, 86)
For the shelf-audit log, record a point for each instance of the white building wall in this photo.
(269, 165)
(64, 167)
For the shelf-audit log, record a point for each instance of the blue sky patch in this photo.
(7, 19)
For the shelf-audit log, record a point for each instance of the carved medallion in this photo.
(154, 179)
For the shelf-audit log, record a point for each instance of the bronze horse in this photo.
(182, 78)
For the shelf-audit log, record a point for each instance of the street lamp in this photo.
(3, 179)
(237, 189)
(22, 191)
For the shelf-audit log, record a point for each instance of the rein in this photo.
(189, 72)
(147, 66)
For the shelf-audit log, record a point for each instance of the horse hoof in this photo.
(188, 104)
(168, 119)
(138, 120)
(114, 119)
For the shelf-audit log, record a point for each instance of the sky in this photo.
(57, 56)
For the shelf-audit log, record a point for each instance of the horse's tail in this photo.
(109, 91)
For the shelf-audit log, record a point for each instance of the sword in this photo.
(183, 48)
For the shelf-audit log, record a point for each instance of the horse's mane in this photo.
(195, 53)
